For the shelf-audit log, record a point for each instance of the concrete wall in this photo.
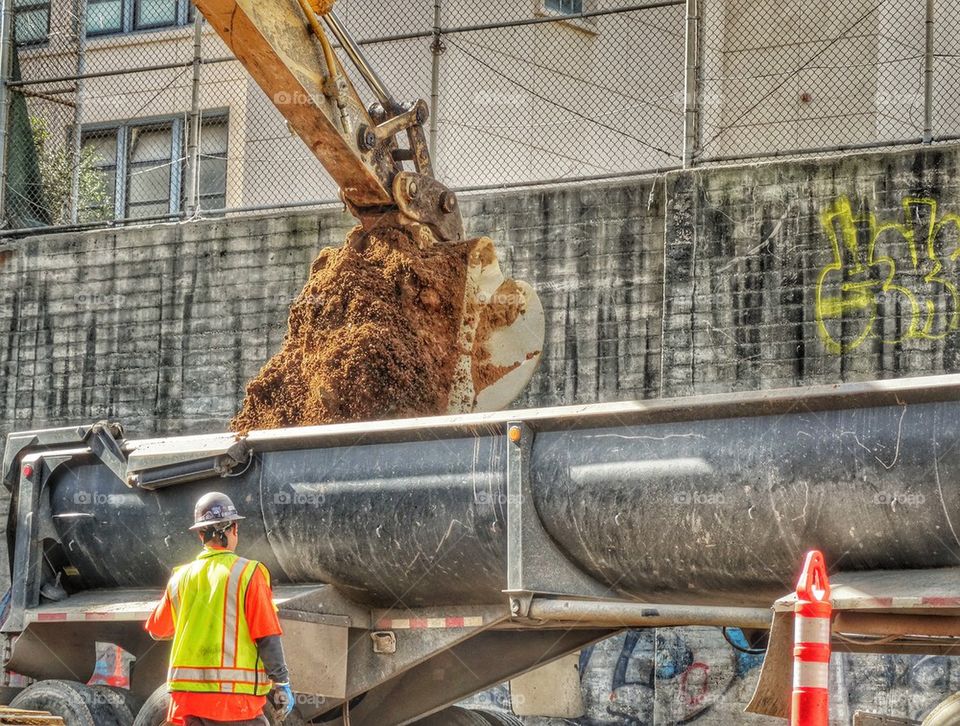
(163, 326)
(718, 279)
(812, 272)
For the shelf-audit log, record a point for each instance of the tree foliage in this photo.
(58, 164)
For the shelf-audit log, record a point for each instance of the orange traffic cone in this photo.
(811, 645)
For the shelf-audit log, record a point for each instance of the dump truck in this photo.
(419, 561)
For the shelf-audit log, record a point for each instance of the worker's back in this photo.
(212, 648)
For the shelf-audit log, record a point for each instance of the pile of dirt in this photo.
(372, 335)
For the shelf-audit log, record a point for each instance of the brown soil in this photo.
(372, 335)
(506, 305)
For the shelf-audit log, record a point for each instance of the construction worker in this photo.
(218, 610)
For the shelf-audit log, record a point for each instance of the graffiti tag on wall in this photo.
(890, 280)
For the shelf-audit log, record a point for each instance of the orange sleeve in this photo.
(160, 623)
(261, 613)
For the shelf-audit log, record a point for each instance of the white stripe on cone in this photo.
(811, 675)
(811, 630)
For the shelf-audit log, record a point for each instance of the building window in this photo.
(109, 17)
(104, 17)
(142, 167)
(150, 156)
(212, 177)
(32, 21)
(565, 7)
(154, 13)
(102, 149)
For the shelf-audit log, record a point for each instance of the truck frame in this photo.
(356, 657)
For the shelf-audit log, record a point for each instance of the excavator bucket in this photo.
(501, 335)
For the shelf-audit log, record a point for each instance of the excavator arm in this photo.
(285, 48)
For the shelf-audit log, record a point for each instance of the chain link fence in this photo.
(121, 110)
(781, 78)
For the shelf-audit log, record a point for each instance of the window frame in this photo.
(573, 20)
(136, 25)
(178, 143)
(129, 10)
(117, 166)
(104, 33)
(173, 158)
(560, 11)
(212, 118)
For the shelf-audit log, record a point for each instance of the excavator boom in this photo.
(273, 42)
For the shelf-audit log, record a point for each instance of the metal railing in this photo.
(120, 110)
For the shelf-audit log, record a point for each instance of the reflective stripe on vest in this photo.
(230, 675)
(174, 596)
(212, 648)
(231, 609)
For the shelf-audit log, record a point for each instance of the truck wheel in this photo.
(76, 703)
(945, 713)
(454, 716)
(496, 718)
(154, 710)
(125, 705)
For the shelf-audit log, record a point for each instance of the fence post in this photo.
(928, 76)
(191, 176)
(436, 48)
(6, 51)
(691, 87)
(80, 37)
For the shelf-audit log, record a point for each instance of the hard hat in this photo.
(214, 509)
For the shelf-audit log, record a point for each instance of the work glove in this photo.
(283, 699)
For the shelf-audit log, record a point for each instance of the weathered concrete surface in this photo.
(162, 327)
(753, 276)
(716, 279)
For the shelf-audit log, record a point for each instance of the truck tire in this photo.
(76, 703)
(125, 705)
(497, 718)
(154, 710)
(945, 713)
(454, 716)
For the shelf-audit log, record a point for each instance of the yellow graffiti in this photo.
(899, 269)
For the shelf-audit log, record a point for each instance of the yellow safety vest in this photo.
(212, 649)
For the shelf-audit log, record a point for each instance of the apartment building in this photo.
(515, 101)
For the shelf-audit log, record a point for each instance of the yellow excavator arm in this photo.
(284, 46)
